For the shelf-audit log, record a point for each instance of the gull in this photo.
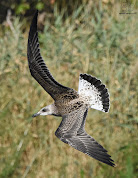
(69, 104)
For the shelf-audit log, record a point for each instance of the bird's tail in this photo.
(94, 92)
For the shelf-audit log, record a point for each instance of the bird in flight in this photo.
(69, 104)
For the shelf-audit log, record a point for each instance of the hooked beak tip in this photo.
(34, 115)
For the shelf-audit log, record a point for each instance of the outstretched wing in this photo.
(71, 131)
(86, 144)
(38, 67)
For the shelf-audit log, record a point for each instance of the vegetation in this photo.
(95, 40)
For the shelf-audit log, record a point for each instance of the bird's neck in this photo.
(54, 110)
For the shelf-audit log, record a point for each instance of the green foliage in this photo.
(96, 40)
(21, 8)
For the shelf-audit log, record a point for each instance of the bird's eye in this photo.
(44, 110)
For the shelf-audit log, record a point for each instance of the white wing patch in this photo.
(94, 93)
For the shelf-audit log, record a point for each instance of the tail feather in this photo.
(95, 92)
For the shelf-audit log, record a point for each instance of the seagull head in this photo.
(44, 111)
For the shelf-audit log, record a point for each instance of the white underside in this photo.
(90, 94)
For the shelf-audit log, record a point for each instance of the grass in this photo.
(93, 40)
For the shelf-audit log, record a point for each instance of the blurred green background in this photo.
(75, 37)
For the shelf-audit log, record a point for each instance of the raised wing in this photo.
(38, 67)
(71, 131)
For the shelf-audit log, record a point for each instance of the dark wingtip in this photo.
(112, 164)
(34, 21)
(33, 28)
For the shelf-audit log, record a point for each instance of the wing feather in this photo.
(38, 67)
(71, 131)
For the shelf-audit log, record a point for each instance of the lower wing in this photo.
(71, 131)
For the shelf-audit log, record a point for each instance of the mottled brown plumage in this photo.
(71, 105)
